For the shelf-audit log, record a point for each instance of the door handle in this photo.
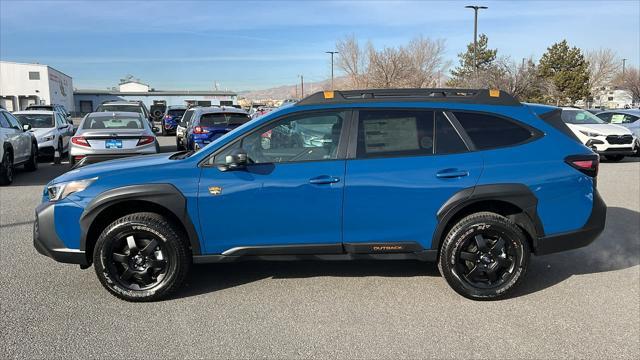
(324, 179)
(451, 173)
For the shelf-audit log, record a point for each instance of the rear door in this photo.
(407, 164)
(289, 199)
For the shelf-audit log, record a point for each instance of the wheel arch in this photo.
(514, 201)
(163, 199)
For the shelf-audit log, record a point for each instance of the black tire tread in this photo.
(480, 217)
(169, 230)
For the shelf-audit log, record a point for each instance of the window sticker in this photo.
(617, 118)
(388, 135)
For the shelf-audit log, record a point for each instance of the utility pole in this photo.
(301, 86)
(624, 61)
(331, 52)
(475, 36)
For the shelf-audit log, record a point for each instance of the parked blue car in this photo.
(629, 118)
(171, 118)
(471, 179)
(209, 123)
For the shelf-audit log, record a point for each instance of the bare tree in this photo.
(352, 61)
(426, 61)
(419, 64)
(603, 67)
(630, 81)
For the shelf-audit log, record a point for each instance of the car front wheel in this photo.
(484, 256)
(6, 169)
(32, 163)
(141, 257)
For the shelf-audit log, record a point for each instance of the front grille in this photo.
(619, 139)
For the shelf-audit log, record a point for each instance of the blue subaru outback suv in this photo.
(472, 179)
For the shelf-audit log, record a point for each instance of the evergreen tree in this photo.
(485, 61)
(567, 70)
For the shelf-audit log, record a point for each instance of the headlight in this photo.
(62, 190)
(590, 134)
(47, 138)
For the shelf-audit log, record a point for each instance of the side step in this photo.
(323, 252)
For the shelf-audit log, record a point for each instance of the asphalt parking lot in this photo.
(582, 303)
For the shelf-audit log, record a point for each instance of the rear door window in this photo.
(489, 131)
(384, 133)
(447, 139)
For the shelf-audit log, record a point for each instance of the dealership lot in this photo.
(581, 303)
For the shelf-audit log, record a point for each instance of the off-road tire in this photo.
(174, 249)
(32, 163)
(466, 230)
(6, 169)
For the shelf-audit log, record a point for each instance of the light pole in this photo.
(475, 35)
(331, 52)
(301, 86)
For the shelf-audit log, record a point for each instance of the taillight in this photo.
(81, 141)
(587, 164)
(146, 140)
(200, 130)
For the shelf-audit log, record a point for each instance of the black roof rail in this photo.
(470, 96)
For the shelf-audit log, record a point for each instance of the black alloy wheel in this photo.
(137, 261)
(484, 256)
(6, 169)
(486, 260)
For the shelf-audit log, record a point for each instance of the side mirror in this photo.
(26, 127)
(237, 160)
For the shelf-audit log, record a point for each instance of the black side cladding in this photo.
(554, 118)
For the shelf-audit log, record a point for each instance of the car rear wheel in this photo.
(6, 169)
(484, 256)
(614, 157)
(162, 129)
(32, 163)
(179, 145)
(141, 257)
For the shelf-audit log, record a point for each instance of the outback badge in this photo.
(215, 190)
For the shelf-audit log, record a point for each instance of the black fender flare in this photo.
(518, 195)
(164, 195)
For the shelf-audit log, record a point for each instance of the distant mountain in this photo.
(289, 91)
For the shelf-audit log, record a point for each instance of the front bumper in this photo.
(577, 238)
(46, 241)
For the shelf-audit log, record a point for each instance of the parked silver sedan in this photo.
(110, 135)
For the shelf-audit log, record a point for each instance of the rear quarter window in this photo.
(489, 131)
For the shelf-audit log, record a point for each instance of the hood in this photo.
(604, 129)
(40, 132)
(113, 166)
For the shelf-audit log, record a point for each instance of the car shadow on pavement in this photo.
(207, 278)
(617, 248)
(45, 173)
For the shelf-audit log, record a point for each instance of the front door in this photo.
(408, 163)
(289, 196)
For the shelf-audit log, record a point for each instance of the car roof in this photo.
(224, 109)
(43, 112)
(177, 107)
(121, 103)
(635, 112)
(112, 114)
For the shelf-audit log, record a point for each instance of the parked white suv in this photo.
(51, 130)
(614, 142)
(18, 146)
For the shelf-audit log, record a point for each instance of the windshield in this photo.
(36, 120)
(580, 117)
(114, 108)
(222, 119)
(36, 107)
(176, 112)
(97, 123)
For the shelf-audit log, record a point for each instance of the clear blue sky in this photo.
(253, 45)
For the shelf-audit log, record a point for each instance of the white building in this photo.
(133, 86)
(22, 85)
(611, 98)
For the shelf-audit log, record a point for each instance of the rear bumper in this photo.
(93, 159)
(578, 238)
(46, 241)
